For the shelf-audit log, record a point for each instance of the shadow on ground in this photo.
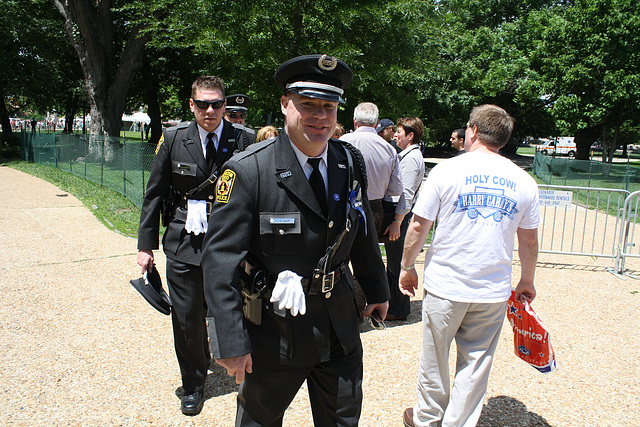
(218, 383)
(510, 412)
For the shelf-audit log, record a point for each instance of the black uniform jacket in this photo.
(181, 165)
(273, 215)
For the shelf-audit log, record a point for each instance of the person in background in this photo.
(383, 171)
(236, 113)
(457, 140)
(339, 131)
(467, 276)
(409, 131)
(282, 309)
(387, 131)
(266, 132)
(186, 157)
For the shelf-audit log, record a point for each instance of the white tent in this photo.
(137, 117)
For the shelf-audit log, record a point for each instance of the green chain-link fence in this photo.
(125, 170)
(554, 170)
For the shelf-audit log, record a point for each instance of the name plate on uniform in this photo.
(555, 198)
(282, 221)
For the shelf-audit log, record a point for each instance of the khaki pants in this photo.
(476, 329)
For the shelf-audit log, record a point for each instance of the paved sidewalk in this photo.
(81, 347)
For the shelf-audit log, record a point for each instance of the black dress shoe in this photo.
(192, 404)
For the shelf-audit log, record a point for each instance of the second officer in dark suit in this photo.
(236, 113)
(186, 157)
(295, 209)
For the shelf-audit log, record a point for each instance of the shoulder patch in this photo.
(160, 143)
(225, 185)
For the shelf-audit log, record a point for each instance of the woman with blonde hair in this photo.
(266, 132)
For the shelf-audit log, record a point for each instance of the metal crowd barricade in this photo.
(628, 245)
(588, 225)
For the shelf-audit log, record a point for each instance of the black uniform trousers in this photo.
(335, 389)
(188, 313)
(399, 304)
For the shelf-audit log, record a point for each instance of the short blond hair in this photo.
(494, 124)
(265, 133)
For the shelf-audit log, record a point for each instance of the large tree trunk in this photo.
(7, 132)
(91, 30)
(70, 113)
(584, 138)
(151, 98)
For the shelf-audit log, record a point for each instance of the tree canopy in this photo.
(560, 67)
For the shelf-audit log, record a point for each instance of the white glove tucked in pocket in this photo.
(289, 293)
(196, 222)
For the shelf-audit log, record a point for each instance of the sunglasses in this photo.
(377, 323)
(205, 104)
(242, 115)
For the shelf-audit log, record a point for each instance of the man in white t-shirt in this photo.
(480, 201)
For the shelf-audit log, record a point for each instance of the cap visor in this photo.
(328, 96)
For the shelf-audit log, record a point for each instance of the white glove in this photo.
(288, 290)
(146, 280)
(196, 222)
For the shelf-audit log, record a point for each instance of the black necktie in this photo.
(211, 149)
(317, 183)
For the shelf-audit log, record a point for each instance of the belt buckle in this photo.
(209, 207)
(327, 282)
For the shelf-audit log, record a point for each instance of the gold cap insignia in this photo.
(327, 63)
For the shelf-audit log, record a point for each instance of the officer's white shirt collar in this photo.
(307, 168)
(203, 137)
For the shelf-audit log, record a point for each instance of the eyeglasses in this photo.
(205, 104)
(240, 115)
(377, 323)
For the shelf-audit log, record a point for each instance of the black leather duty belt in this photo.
(323, 283)
(183, 205)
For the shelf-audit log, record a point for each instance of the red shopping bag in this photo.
(530, 337)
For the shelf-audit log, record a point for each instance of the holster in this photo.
(168, 207)
(254, 286)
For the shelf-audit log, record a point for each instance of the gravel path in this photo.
(80, 347)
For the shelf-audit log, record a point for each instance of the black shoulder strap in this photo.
(357, 155)
(354, 202)
(241, 140)
(241, 137)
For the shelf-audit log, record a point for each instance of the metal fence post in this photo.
(124, 166)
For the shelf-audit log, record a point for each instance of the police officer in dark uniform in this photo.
(181, 185)
(236, 113)
(290, 213)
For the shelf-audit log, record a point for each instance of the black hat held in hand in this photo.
(153, 292)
